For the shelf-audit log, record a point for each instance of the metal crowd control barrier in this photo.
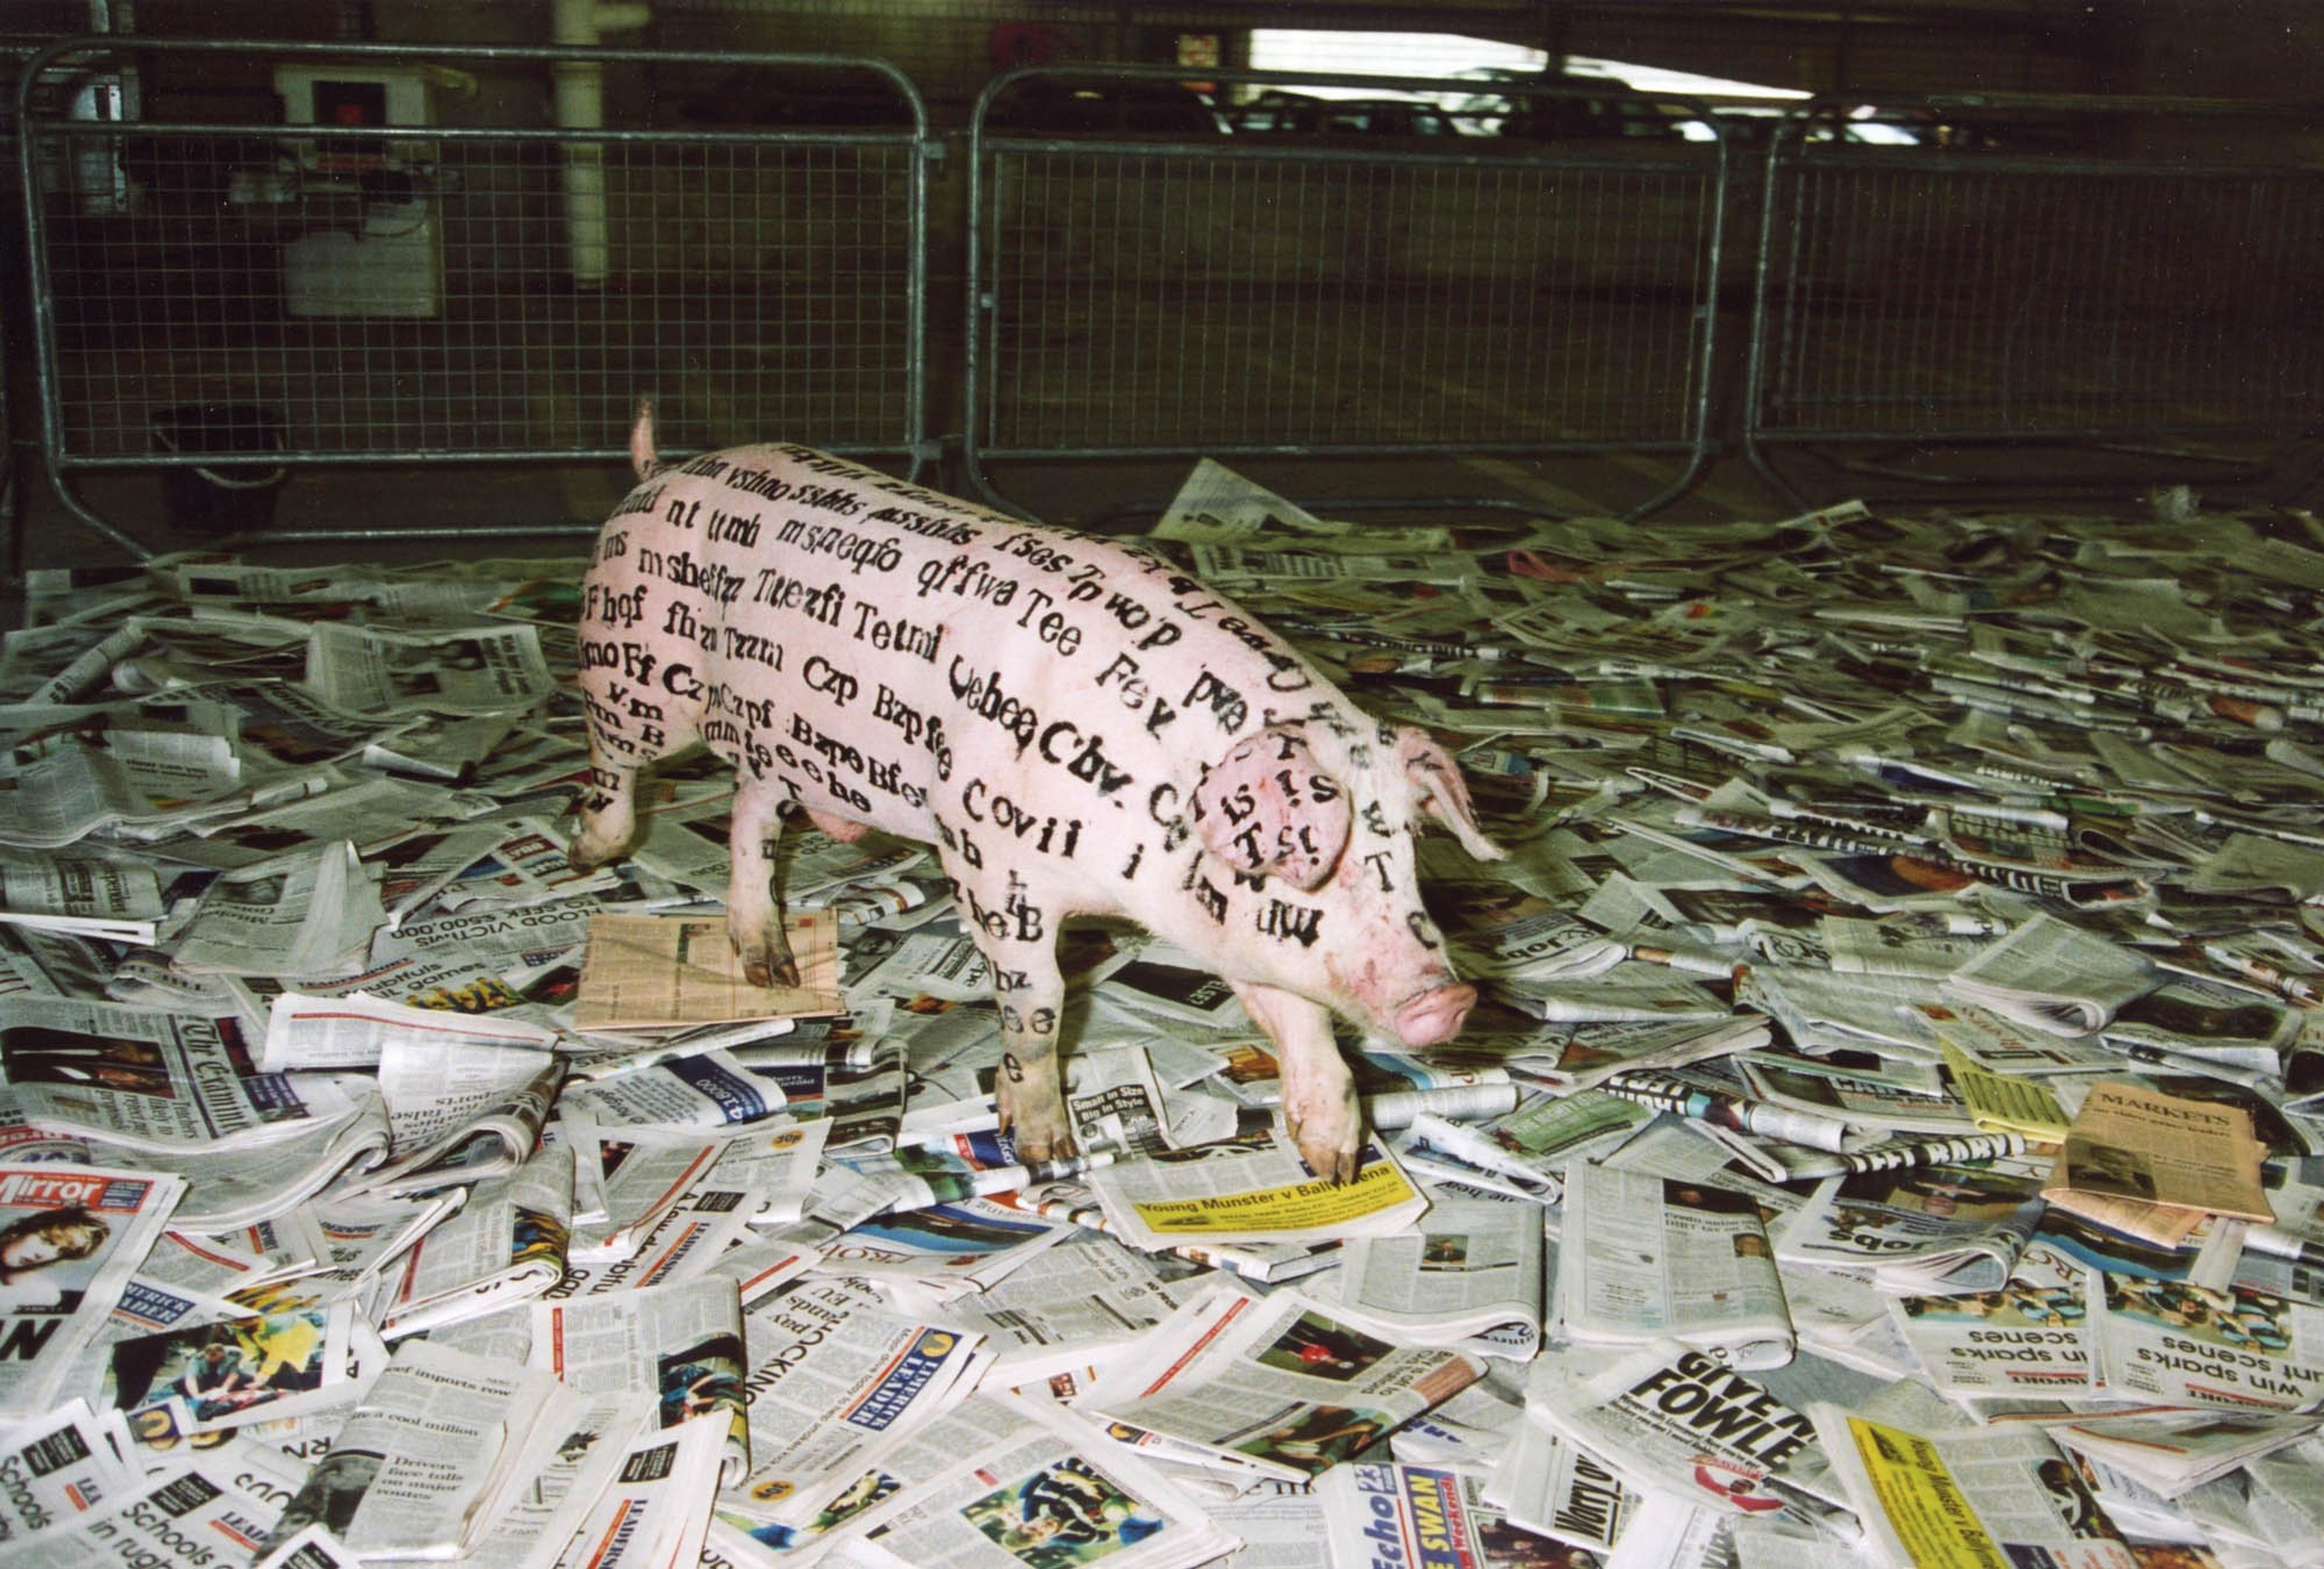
(2123, 276)
(1144, 284)
(227, 301)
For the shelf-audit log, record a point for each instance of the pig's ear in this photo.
(1267, 809)
(1442, 794)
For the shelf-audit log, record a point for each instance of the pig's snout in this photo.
(1435, 1017)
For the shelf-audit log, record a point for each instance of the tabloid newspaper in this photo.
(681, 1345)
(1429, 1517)
(1053, 1489)
(1680, 1426)
(1968, 1499)
(1275, 1381)
(419, 1466)
(1251, 1188)
(60, 1466)
(214, 1507)
(2183, 1344)
(1646, 1258)
(1469, 1276)
(2032, 1337)
(651, 1514)
(71, 1237)
(1925, 1228)
(1559, 1490)
(1081, 1299)
(836, 1372)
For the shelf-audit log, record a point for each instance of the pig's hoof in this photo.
(1328, 1147)
(768, 963)
(1038, 1133)
(590, 851)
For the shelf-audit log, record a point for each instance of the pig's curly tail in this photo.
(642, 442)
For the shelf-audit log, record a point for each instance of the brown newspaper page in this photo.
(2132, 1148)
(650, 972)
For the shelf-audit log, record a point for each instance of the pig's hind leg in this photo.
(1320, 1108)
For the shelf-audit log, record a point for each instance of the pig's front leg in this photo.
(1320, 1107)
(609, 813)
(754, 914)
(1030, 1091)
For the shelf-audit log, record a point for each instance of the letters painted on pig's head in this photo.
(1313, 821)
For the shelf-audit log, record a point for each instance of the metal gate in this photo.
(2106, 272)
(499, 284)
(1142, 284)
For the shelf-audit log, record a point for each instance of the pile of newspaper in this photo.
(1891, 1131)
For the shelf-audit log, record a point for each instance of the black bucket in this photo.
(219, 498)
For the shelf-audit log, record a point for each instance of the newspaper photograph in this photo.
(1647, 1258)
(1276, 1381)
(262, 1367)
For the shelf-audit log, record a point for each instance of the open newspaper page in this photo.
(59, 1466)
(507, 1244)
(1469, 1276)
(459, 1113)
(835, 1373)
(1987, 1496)
(651, 1514)
(1645, 1258)
(2030, 1338)
(153, 1080)
(2179, 1343)
(2130, 1148)
(682, 1344)
(1559, 1490)
(2050, 975)
(71, 1237)
(1926, 1229)
(418, 1467)
(1405, 1516)
(486, 668)
(536, 1517)
(225, 1503)
(1275, 1381)
(1051, 1491)
(646, 971)
(1072, 1305)
(1252, 1187)
(1678, 1426)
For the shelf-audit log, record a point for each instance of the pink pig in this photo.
(1077, 726)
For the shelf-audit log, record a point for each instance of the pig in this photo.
(1076, 727)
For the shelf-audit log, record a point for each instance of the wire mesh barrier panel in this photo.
(1273, 286)
(361, 289)
(2038, 271)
